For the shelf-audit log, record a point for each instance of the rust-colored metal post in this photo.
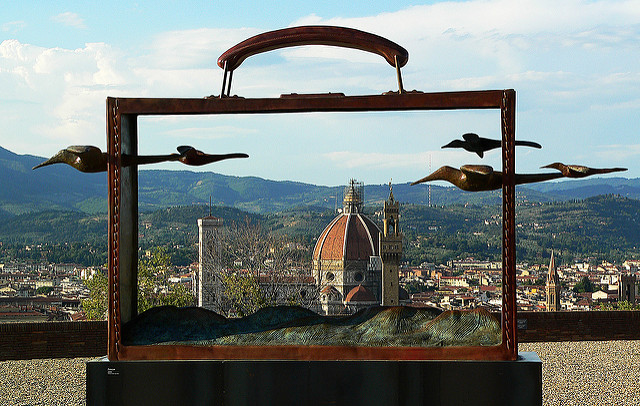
(509, 310)
(114, 174)
(123, 225)
(129, 220)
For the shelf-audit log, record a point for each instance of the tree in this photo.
(622, 305)
(95, 306)
(44, 290)
(154, 288)
(585, 285)
(250, 268)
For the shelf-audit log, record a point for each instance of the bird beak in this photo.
(449, 145)
(53, 160)
(423, 180)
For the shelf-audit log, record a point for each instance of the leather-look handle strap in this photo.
(314, 35)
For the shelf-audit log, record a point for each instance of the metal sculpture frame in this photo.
(122, 138)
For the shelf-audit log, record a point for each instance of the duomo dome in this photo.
(346, 256)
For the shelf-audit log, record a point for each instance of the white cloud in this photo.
(617, 153)
(60, 93)
(63, 91)
(69, 19)
(498, 29)
(198, 48)
(572, 63)
(12, 26)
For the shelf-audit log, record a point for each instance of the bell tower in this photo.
(391, 251)
(209, 254)
(553, 287)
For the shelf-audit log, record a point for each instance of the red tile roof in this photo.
(360, 294)
(348, 237)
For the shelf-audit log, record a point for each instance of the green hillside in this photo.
(602, 227)
(59, 187)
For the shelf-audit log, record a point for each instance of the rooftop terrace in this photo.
(574, 373)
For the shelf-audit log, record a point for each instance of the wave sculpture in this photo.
(292, 325)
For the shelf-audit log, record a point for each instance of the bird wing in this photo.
(480, 177)
(183, 149)
(82, 149)
(579, 170)
(473, 141)
(476, 170)
(471, 137)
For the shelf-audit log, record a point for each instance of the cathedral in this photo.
(355, 263)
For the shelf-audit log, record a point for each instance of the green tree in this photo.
(622, 305)
(44, 290)
(585, 285)
(154, 288)
(95, 306)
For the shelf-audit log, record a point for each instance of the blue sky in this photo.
(575, 66)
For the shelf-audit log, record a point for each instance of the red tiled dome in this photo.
(348, 237)
(360, 294)
(329, 290)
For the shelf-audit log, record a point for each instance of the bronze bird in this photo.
(87, 158)
(194, 157)
(474, 143)
(478, 178)
(579, 171)
(84, 158)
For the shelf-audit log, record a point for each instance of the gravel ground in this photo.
(589, 372)
(573, 373)
(43, 382)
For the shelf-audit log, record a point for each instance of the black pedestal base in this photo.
(352, 383)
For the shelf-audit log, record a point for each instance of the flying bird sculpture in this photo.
(84, 158)
(194, 157)
(478, 178)
(474, 143)
(580, 171)
(87, 158)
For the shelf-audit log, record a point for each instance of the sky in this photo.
(575, 66)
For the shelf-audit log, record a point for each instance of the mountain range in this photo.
(61, 187)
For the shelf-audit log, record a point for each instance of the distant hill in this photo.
(601, 227)
(59, 187)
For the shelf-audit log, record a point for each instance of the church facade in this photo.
(355, 263)
(348, 259)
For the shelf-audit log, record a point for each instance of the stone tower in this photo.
(391, 251)
(553, 287)
(627, 288)
(209, 229)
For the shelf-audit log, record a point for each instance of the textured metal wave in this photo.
(289, 325)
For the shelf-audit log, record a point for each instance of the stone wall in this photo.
(56, 339)
(578, 326)
(89, 338)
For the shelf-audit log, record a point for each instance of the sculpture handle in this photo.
(393, 53)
